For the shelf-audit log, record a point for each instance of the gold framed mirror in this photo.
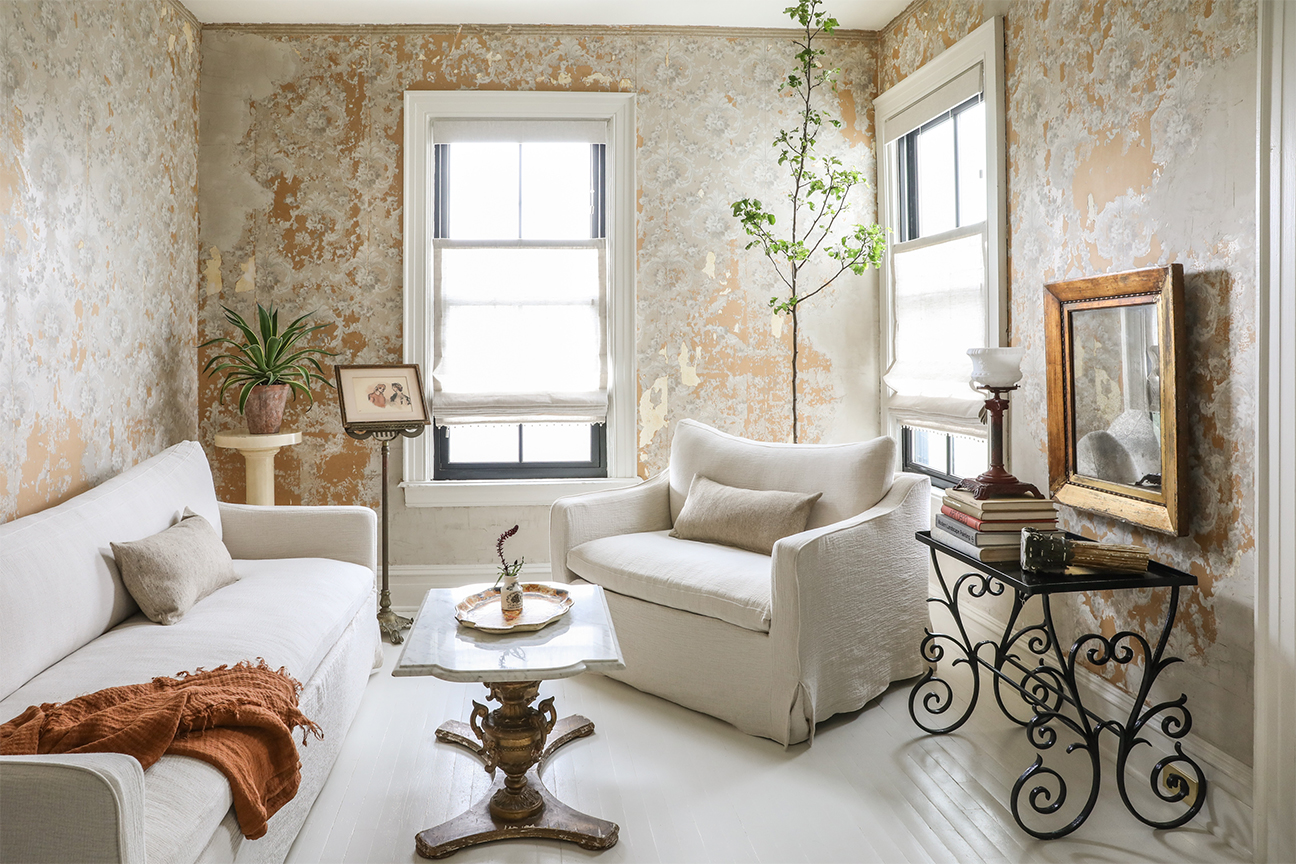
(1115, 377)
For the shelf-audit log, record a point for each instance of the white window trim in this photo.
(618, 109)
(984, 46)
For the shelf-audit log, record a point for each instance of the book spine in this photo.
(960, 516)
(955, 543)
(998, 525)
(957, 529)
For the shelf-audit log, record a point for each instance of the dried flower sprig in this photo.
(507, 569)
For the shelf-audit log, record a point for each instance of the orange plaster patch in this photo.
(1114, 169)
(849, 128)
(51, 470)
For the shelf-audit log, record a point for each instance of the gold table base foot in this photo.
(392, 624)
(555, 821)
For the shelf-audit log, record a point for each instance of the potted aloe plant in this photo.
(267, 365)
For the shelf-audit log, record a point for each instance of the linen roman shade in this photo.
(954, 92)
(939, 314)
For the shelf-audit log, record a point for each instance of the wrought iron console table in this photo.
(1049, 686)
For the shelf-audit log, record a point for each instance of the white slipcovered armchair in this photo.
(771, 644)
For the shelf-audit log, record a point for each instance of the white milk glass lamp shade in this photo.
(996, 367)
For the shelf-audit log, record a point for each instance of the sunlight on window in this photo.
(971, 164)
(970, 456)
(483, 191)
(556, 442)
(555, 191)
(935, 156)
(493, 442)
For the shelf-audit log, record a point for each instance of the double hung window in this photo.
(520, 278)
(519, 292)
(940, 168)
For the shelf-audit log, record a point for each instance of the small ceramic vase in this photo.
(511, 598)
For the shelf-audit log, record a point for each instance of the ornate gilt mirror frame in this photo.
(1154, 295)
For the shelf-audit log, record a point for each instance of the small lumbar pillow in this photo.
(746, 518)
(169, 572)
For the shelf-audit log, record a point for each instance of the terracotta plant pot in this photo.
(265, 408)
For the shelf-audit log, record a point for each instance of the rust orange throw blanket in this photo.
(238, 719)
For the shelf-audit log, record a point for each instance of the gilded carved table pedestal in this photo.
(516, 739)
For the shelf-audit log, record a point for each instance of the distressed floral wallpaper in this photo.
(98, 230)
(301, 205)
(1131, 143)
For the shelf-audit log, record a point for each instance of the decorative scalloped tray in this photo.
(541, 606)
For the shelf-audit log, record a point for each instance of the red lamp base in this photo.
(999, 484)
(996, 482)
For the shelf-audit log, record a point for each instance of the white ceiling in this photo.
(852, 14)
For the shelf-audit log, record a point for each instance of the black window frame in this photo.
(939, 479)
(908, 157)
(597, 465)
(907, 149)
(448, 470)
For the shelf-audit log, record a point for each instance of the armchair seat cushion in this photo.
(732, 585)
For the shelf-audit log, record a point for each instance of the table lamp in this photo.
(996, 371)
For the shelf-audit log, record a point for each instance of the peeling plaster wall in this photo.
(1131, 142)
(98, 227)
(301, 179)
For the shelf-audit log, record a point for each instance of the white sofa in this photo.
(771, 644)
(305, 600)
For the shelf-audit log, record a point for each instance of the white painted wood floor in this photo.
(686, 787)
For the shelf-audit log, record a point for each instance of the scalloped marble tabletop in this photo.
(583, 640)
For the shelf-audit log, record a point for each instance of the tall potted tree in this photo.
(266, 366)
(819, 195)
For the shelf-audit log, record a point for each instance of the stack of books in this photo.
(990, 530)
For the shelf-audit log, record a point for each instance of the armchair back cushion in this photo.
(746, 518)
(59, 585)
(852, 477)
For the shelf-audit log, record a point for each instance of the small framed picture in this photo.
(373, 396)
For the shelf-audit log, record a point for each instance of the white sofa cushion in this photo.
(721, 582)
(289, 611)
(852, 477)
(59, 587)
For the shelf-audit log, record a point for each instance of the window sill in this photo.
(504, 493)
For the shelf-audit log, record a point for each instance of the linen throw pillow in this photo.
(745, 518)
(171, 571)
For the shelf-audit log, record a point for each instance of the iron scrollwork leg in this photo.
(1175, 722)
(1172, 717)
(933, 693)
(1049, 793)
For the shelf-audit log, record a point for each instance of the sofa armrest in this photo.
(853, 595)
(78, 807)
(342, 533)
(579, 519)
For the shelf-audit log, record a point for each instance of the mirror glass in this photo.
(1117, 393)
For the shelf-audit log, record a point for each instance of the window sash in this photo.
(596, 467)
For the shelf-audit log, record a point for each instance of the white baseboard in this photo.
(1229, 781)
(409, 582)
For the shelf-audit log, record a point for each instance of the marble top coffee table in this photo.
(513, 737)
